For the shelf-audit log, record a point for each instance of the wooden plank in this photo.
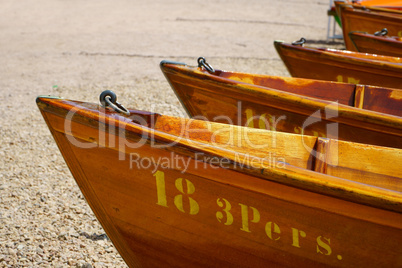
(321, 150)
(359, 96)
(382, 45)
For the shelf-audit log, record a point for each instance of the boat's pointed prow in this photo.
(277, 43)
(164, 62)
(44, 102)
(162, 188)
(55, 104)
(40, 98)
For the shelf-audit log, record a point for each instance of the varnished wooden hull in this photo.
(382, 45)
(390, 4)
(366, 20)
(210, 215)
(290, 104)
(341, 66)
(374, 5)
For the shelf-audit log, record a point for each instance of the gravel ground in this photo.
(77, 49)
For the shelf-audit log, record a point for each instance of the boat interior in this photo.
(352, 161)
(378, 99)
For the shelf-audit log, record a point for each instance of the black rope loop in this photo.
(109, 98)
(203, 63)
(299, 42)
(383, 32)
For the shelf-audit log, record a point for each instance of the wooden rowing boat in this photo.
(355, 18)
(387, 10)
(377, 44)
(341, 65)
(364, 114)
(389, 4)
(374, 5)
(174, 192)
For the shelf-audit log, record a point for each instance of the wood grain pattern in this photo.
(242, 213)
(382, 45)
(367, 19)
(341, 65)
(290, 104)
(389, 4)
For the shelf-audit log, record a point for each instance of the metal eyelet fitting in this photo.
(202, 63)
(299, 42)
(109, 98)
(383, 32)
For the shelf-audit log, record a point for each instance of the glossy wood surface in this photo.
(245, 212)
(384, 7)
(392, 4)
(382, 45)
(364, 114)
(373, 5)
(368, 20)
(341, 65)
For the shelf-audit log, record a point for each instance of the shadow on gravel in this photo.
(333, 43)
(95, 237)
(326, 42)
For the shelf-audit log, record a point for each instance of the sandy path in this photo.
(76, 49)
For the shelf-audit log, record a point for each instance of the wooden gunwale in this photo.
(288, 101)
(380, 4)
(358, 58)
(364, 57)
(341, 60)
(386, 45)
(378, 10)
(345, 61)
(290, 175)
(390, 39)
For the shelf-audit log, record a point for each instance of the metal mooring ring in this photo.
(104, 94)
(109, 98)
(383, 32)
(202, 63)
(299, 42)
